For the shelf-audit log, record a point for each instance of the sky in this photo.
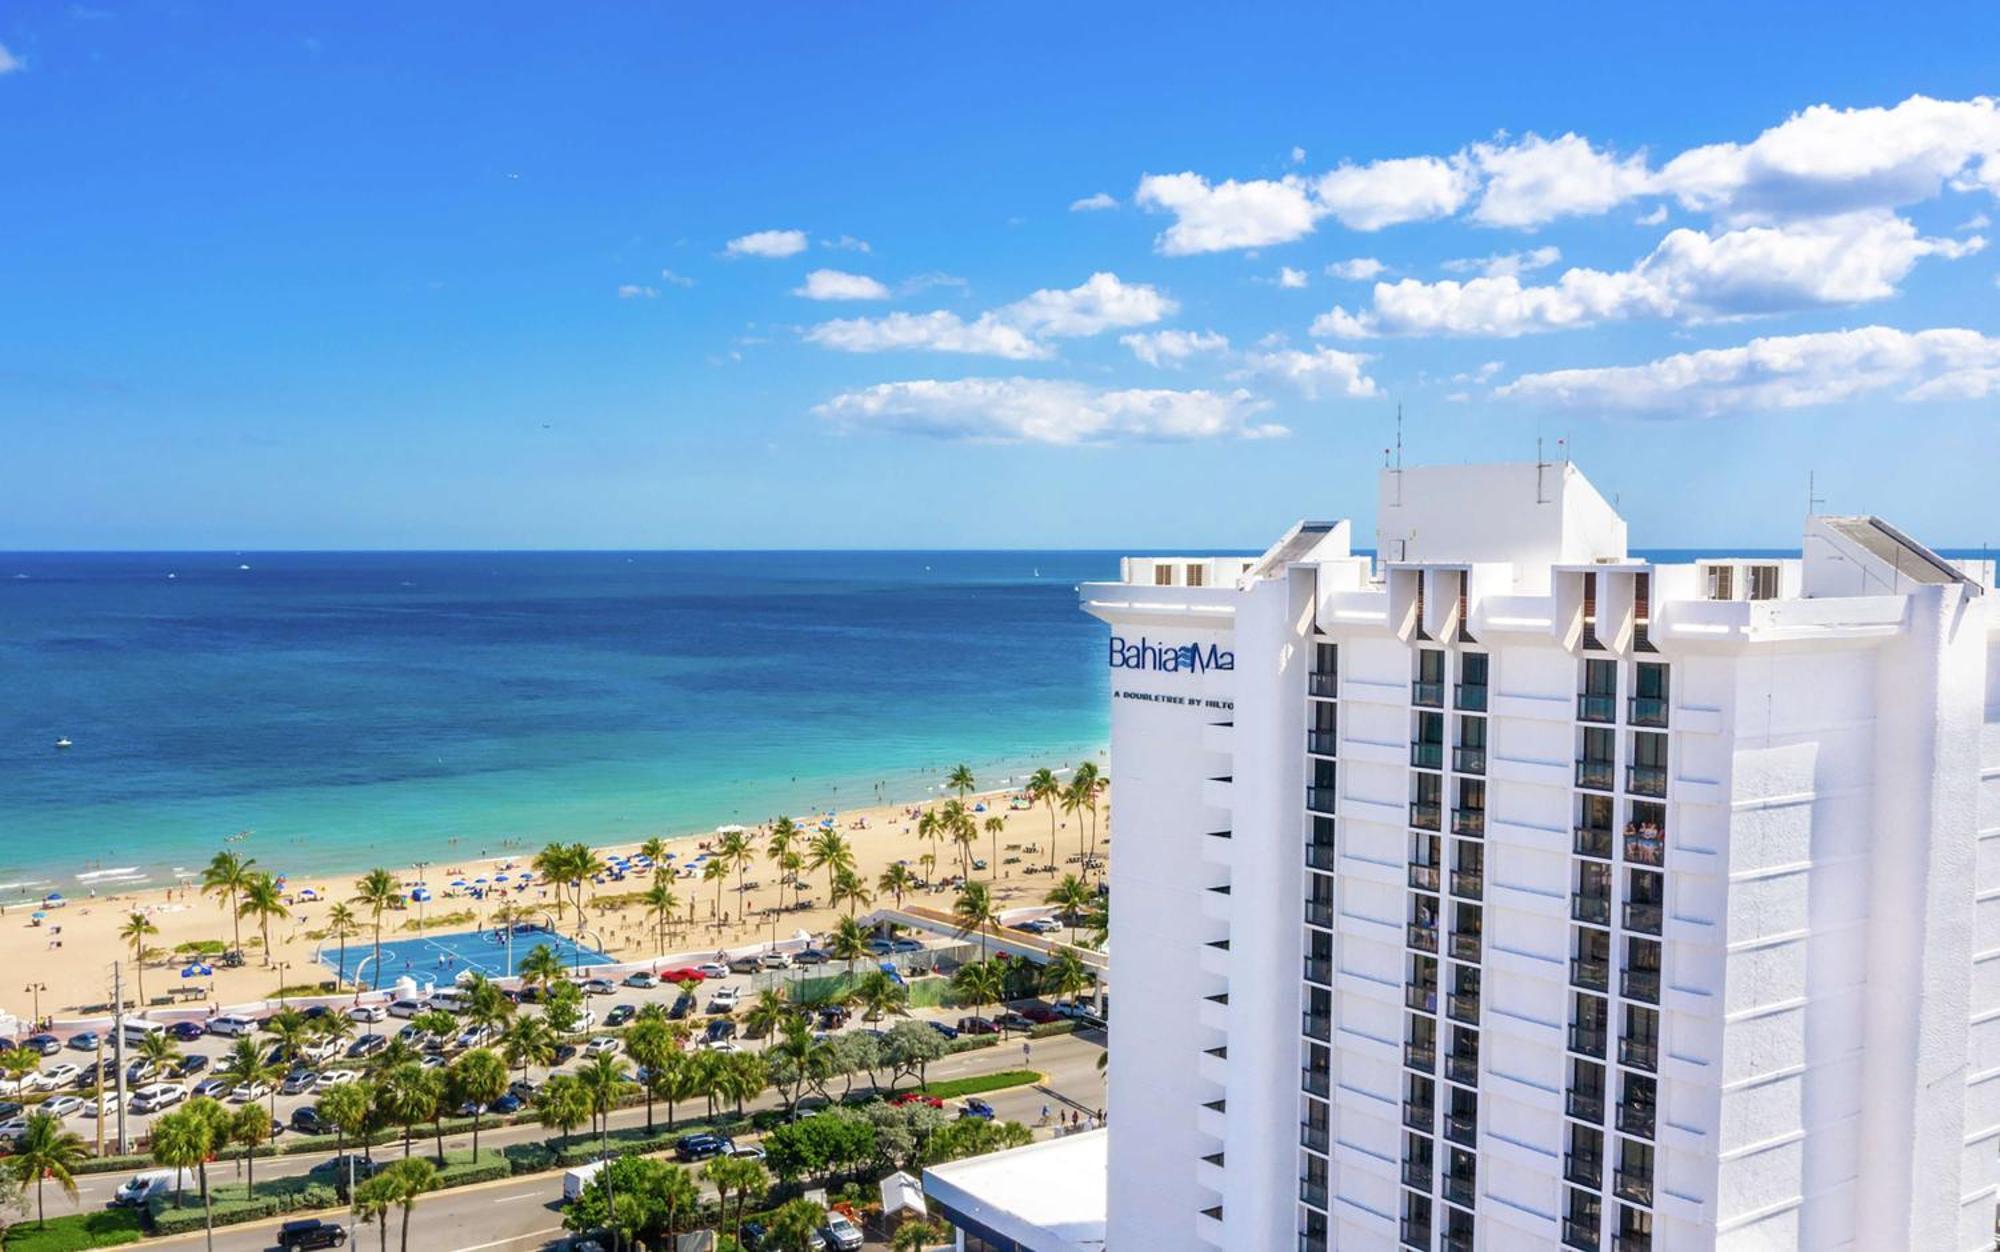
(446, 276)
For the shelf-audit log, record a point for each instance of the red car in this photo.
(682, 975)
(976, 1026)
(915, 1097)
(1038, 1014)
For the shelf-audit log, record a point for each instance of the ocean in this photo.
(332, 711)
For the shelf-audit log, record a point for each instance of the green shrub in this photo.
(1043, 1030)
(77, 1231)
(131, 1163)
(982, 1083)
(173, 1221)
(460, 1169)
(971, 1043)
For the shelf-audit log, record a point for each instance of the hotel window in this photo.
(1763, 582)
(1471, 755)
(1472, 668)
(1720, 584)
(1163, 575)
(1322, 734)
(1194, 576)
(1428, 687)
(1325, 669)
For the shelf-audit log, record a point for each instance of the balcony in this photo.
(1426, 815)
(1427, 695)
(1327, 685)
(1317, 1026)
(1313, 1137)
(1635, 1186)
(1587, 1040)
(1427, 755)
(1580, 1235)
(1321, 742)
(1646, 780)
(1469, 760)
(1421, 1057)
(1418, 1116)
(1416, 1234)
(1424, 877)
(1595, 774)
(1424, 999)
(1597, 708)
(1320, 856)
(1314, 1082)
(1648, 711)
(1590, 973)
(1642, 917)
(1645, 850)
(1632, 1241)
(1584, 1169)
(1319, 913)
(1417, 1173)
(1320, 799)
(1636, 1117)
(1463, 1007)
(1593, 907)
(1594, 841)
(1462, 1068)
(1319, 970)
(1313, 1193)
(1460, 1189)
(1423, 938)
(1640, 1053)
(1470, 822)
(1465, 945)
(1585, 1106)
(1641, 984)
(1472, 697)
(1468, 884)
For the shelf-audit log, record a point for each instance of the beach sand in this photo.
(72, 953)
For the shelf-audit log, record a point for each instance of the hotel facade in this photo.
(1503, 890)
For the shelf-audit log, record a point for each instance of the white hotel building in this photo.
(1506, 891)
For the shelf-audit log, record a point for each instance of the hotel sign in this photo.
(1166, 658)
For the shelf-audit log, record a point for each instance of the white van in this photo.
(450, 999)
(230, 1027)
(138, 1028)
(141, 1188)
(575, 1180)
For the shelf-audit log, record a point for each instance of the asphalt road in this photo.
(522, 1213)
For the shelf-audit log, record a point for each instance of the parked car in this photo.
(833, 1017)
(725, 1000)
(214, 1088)
(507, 1103)
(712, 969)
(367, 1013)
(976, 1108)
(686, 973)
(810, 956)
(620, 1014)
(773, 960)
(474, 1037)
(249, 1091)
(61, 1105)
(160, 1095)
(85, 1042)
(49, 1045)
(564, 1053)
(949, 1032)
(840, 1234)
(407, 1008)
(719, 1029)
(321, 1050)
(749, 964)
(334, 1077)
(602, 1045)
(231, 1026)
(719, 1045)
(190, 1065)
(311, 1232)
(367, 1045)
(906, 945)
(187, 1032)
(702, 1147)
(682, 1007)
(976, 1026)
(61, 1074)
(1014, 1021)
(298, 1082)
(1040, 1013)
(747, 1152)
(643, 980)
(598, 987)
(307, 1121)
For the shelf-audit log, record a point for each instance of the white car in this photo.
(642, 980)
(61, 1075)
(367, 1013)
(433, 1061)
(250, 1091)
(334, 1077)
(231, 1027)
(839, 1234)
(713, 969)
(160, 1095)
(474, 1036)
(110, 1104)
(13, 1128)
(603, 1045)
(724, 1000)
(719, 1045)
(298, 1082)
(323, 1050)
(62, 1105)
(408, 1008)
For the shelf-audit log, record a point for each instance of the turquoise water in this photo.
(350, 709)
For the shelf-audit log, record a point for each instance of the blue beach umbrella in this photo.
(196, 970)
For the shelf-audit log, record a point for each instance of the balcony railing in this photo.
(1646, 780)
(1641, 984)
(1462, 1129)
(1594, 841)
(1460, 1189)
(1472, 697)
(1468, 822)
(1583, 1169)
(1590, 973)
(1320, 856)
(1632, 1241)
(1595, 774)
(1427, 755)
(1639, 1053)
(1635, 1185)
(1585, 1106)
(1418, 1116)
(1313, 1193)
(1461, 1068)
(1319, 913)
(1587, 1040)
(1322, 742)
(1590, 906)
(1646, 850)
(1424, 877)
(1311, 1136)
(1423, 938)
(1465, 945)
(1468, 884)
(1317, 1026)
(1323, 684)
(1636, 1117)
(1648, 711)
(1463, 1007)
(1421, 1057)
(1427, 694)
(1642, 917)
(1596, 708)
(1319, 971)
(1421, 998)
(1314, 1081)
(1469, 760)
(1425, 815)
(1580, 1235)
(1320, 799)
(1416, 1234)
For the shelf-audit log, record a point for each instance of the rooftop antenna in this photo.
(1399, 454)
(1813, 500)
(1540, 496)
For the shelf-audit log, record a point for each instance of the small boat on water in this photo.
(63, 742)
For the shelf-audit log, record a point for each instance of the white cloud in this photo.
(1171, 348)
(1016, 331)
(1501, 264)
(9, 62)
(636, 291)
(1051, 411)
(1538, 180)
(1787, 372)
(846, 243)
(768, 243)
(1654, 218)
(1228, 214)
(1978, 221)
(1483, 374)
(1289, 277)
(1690, 276)
(678, 280)
(1298, 155)
(837, 285)
(929, 279)
(1322, 369)
(1093, 203)
(1357, 270)
(1389, 193)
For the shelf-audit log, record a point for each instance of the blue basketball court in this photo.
(441, 958)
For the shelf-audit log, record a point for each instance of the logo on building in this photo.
(1168, 659)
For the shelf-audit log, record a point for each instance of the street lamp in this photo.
(282, 967)
(35, 989)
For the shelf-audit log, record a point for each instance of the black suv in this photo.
(311, 1233)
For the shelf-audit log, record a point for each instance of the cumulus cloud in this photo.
(1784, 372)
(1320, 371)
(1655, 217)
(1289, 277)
(678, 280)
(1017, 331)
(1230, 214)
(1357, 270)
(837, 285)
(636, 291)
(768, 243)
(9, 62)
(1051, 411)
(1172, 348)
(1389, 193)
(846, 243)
(1504, 263)
(1093, 203)
(1538, 180)
(1690, 276)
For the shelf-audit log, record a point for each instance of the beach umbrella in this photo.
(458, 882)
(38, 915)
(501, 877)
(196, 970)
(53, 895)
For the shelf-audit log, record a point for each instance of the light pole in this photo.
(35, 989)
(282, 967)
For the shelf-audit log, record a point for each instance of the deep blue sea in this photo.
(351, 709)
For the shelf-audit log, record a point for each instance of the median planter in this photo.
(982, 1083)
(76, 1231)
(1044, 1029)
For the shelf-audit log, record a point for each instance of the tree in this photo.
(604, 1079)
(974, 1136)
(1073, 896)
(46, 1151)
(478, 1078)
(528, 1041)
(975, 911)
(797, 1060)
(224, 876)
(740, 1176)
(342, 925)
(562, 1007)
(960, 780)
(829, 851)
(246, 1068)
(376, 891)
(848, 942)
(562, 1105)
(994, 825)
(136, 930)
(736, 851)
(764, 1015)
(1043, 789)
(1066, 975)
(540, 967)
(372, 1201)
(485, 1004)
(679, 1200)
(717, 872)
(249, 1127)
(955, 822)
(741, 1077)
(918, 1234)
(779, 849)
(554, 865)
(909, 1048)
(1090, 781)
(827, 1143)
(661, 906)
(848, 889)
(186, 1139)
(794, 1227)
(896, 880)
(653, 1049)
(400, 1184)
(348, 1106)
(877, 993)
(981, 983)
(161, 1049)
(408, 1095)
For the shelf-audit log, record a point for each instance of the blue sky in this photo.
(307, 275)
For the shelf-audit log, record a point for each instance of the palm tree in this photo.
(679, 1200)
(918, 1234)
(552, 863)
(407, 1096)
(929, 861)
(1072, 897)
(1090, 782)
(541, 966)
(485, 1004)
(377, 890)
(372, 1201)
(263, 901)
(162, 1050)
(342, 924)
(250, 1128)
(994, 825)
(960, 780)
(661, 905)
(927, 826)
(529, 1041)
(895, 881)
(804, 1056)
(603, 1080)
(679, 1081)
(794, 1226)
(185, 1140)
(717, 872)
(562, 1105)
(877, 993)
(953, 823)
(585, 865)
(1072, 800)
(980, 984)
(245, 1067)
(224, 876)
(655, 850)
(478, 1078)
(784, 833)
(1044, 789)
(831, 852)
(741, 1175)
(649, 1043)
(762, 1017)
(735, 850)
(44, 1151)
(401, 1184)
(136, 930)
(348, 1105)
(742, 1077)
(291, 1028)
(974, 910)
(848, 942)
(1066, 975)
(848, 889)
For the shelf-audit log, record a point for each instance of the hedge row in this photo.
(75, 1232)
(1043, 1030)
(981, 1083)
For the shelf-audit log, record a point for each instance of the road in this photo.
(523, 1213)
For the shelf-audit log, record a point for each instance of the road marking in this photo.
(501, 1243)
(509, 1199)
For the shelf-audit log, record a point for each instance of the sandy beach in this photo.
(70, 954)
